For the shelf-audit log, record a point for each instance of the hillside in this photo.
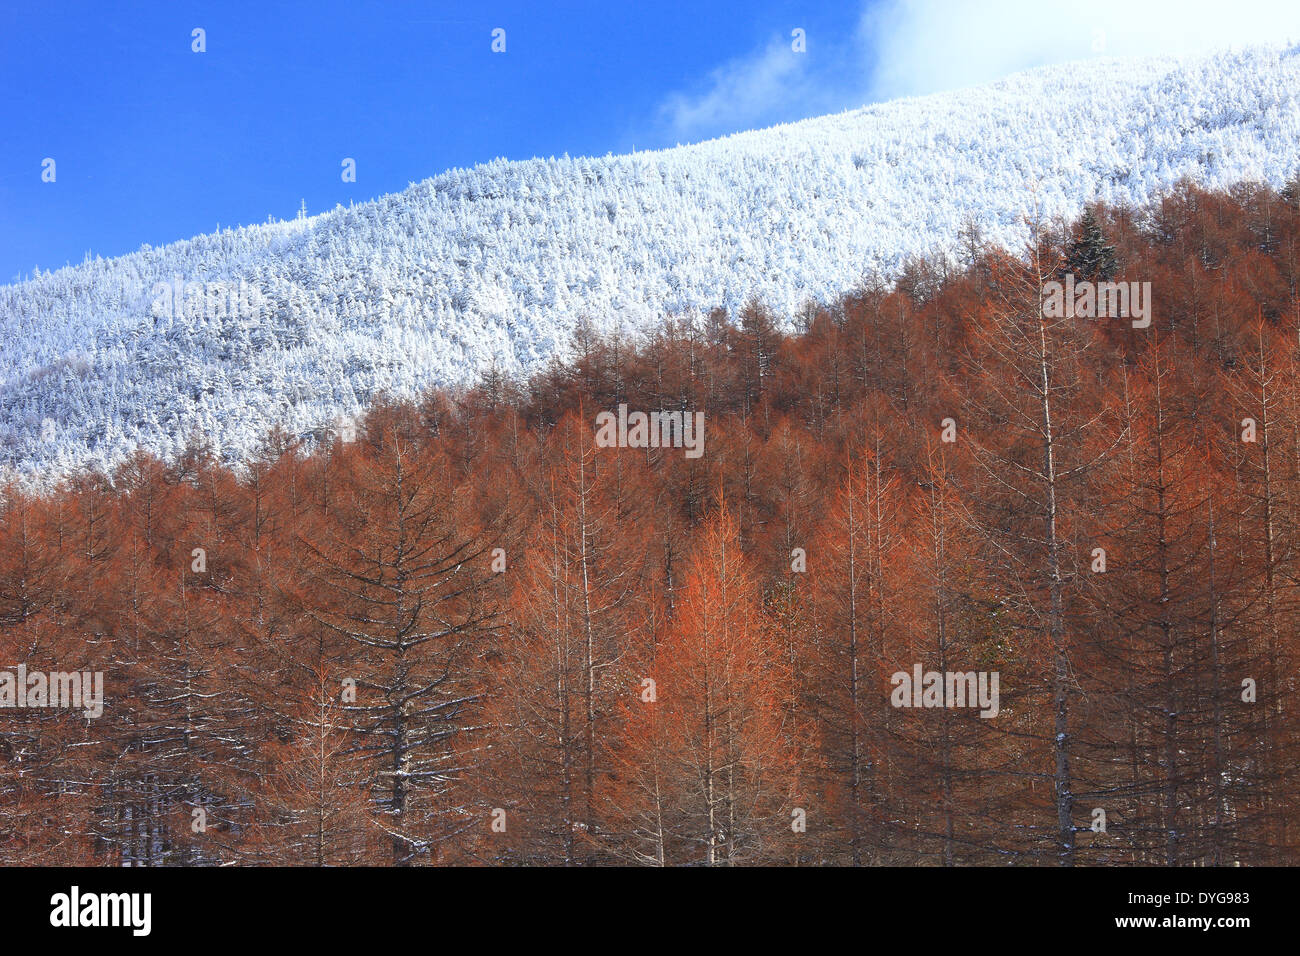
(495, 264)
(615, 649)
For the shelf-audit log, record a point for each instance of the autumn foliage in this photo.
(471, 635)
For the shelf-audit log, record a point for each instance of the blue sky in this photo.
(153, 142)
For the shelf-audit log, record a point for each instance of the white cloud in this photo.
(911, 47)
(923, 46)
(743, 92)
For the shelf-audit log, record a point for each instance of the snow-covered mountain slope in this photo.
(496, 263)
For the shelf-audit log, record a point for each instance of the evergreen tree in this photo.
(1291, 191)
(1089, 256)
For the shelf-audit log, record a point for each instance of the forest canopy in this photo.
(472, 634)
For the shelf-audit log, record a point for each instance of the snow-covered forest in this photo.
(495, 265)
(474, 635)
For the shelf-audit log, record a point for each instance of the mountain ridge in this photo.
(493, 265)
